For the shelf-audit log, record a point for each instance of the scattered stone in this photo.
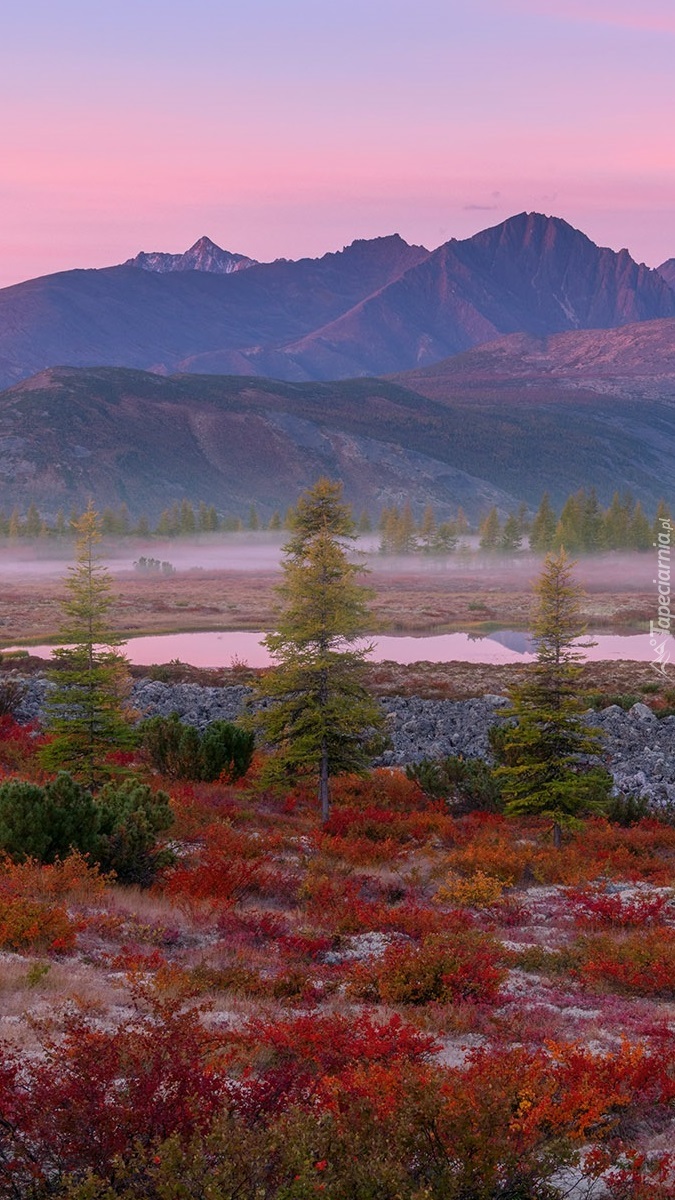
(640, 748)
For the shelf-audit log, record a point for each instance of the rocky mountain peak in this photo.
(204, 255)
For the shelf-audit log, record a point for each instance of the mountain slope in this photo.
(530, 274)
(121, 435)
(667, 271)
(123, 316)
(634, 361)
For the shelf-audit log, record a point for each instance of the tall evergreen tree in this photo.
(511, 538)
(569, 530)
(85, 711)
(543, 528)
(461, 522)
(445, 538)
(639, 531)
(616, 522)
(490, 531)
(321, 718)
(427, 530)
(544, 769)
(591, 521)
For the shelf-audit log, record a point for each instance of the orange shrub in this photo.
(478, 891)
(382, 788)
(30, 925)
(73, 877)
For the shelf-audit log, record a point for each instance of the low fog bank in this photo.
(230, 552)
(255, 552)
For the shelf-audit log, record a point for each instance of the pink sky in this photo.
(290, 129)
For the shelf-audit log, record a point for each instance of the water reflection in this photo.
(222, 649)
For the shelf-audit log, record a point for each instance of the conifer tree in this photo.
(639, 531)
(591, 521)
(490, 530)
(406, 542)
(33, 522)
(616, 522)
(544, 754)
(543, 528)
(569, 531)
(427, 530)
(321, 719)
(188, 520)
(389, 522)
(445, 538)
(85, 711)
(511, 538)
(461, 522)
(662, 514)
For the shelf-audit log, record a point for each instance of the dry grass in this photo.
(412, 602)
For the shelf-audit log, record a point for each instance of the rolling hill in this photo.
(493, 426)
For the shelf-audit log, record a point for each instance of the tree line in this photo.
(582, 526)
(181, 519)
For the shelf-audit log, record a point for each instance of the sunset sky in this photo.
(291, 127)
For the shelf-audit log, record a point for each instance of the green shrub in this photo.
(627, 810)
(468, 784)
(131, 816)
(181, 752)
(46, 823)
(118, 828)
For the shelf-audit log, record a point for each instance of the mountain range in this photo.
(497, 424)
(523, 359)
(377, 307)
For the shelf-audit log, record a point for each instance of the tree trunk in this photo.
(557, 836)
(324, 798)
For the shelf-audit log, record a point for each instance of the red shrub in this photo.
(637, 963)
(19, 745)
(292, 1058)
(96, 1093)
(459, 965)
(594, 907)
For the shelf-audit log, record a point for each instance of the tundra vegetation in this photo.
(417, 997)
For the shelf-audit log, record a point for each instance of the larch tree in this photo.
(545, 755)
(85, 710)
(320, 716)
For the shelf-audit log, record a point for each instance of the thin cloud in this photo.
(650, 18)
(479, 207)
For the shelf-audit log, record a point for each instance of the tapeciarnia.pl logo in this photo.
(659, 630)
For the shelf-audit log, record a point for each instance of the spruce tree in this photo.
(321, 718)
(544, 767)
(85, 711)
